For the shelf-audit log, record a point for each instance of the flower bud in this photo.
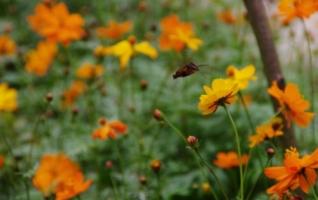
(49, 97)
(157, 114)
(155, 165)
(206, 187)
(75, 111)
(270, 152)
(143, 85)
(142, 180)
(109, 164)
(102, 121)
(192, 140)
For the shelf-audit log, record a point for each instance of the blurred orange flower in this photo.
(109, 129)
(88, 71)
(290, 9)
(222, 91)
(125, 49)
(7, 45)
(266, 131)
(114, 30)
(227, 160)
(56, 23)
(295, 172)
(227, 17)
(8, 98)
(73, 92)
(39, 60)
(58, 175)
(1, 161)
(177, 35)
(292, 104)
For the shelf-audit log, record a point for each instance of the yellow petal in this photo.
(146, 49)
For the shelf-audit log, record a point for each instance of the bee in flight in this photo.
(186, 70)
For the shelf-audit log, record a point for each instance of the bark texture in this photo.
(262, 31)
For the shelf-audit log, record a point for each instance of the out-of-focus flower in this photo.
(39, 60)
(230, 160)
(109, 129)
(227, 17)
(290, 9)
(58, 175)
(76, 89)
(177, 35)
(206, 187)
(267, 131)
(241, 76)
(1, 161)
(296, 172)
(222, 91)
(114, 30)
(88, 71)
(125, 49)
(56, 23)
(8, 98)
(7, 45)
(292, 104)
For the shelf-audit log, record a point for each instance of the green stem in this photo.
(237, 141)
(197, 154)
(311, 75)
(114, 187)
(248, 116)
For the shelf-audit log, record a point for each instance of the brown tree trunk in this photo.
(259, 21)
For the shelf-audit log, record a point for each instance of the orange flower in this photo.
(227, 17)
(56, 23)
(266, 131)
(290, 9)
(39, 60)
(296, 172)
(1, 161)
(58, 175)
(292, 104)
(109, 129)
(88, 71)
(73, 92)
(229, 160)
(7, 45)
(114, 30)
(177, 35)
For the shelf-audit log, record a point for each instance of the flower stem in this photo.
(237, 141)
(248, 116)
(197, 155)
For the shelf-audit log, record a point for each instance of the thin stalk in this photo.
(237, 141)
(197, 154)
(114, 187)
(311, 74)
(248, 116)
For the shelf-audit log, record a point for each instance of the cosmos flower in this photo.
(58, 175)
(177, 35)
(114, 30)
(109, 129)
(8, 98)
(267, 131)
(70, 95)
(291, 9)
(39, 60)
(228, 160)
(7, 45)
(292, 104)
(227, 17)
(241, 76)
(126, 49)
(88, 71)
(222, 91)
(55, 23)
(296, 172)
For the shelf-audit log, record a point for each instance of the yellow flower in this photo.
(8, 98)
(7, 45)
(267, 131)
(125, 49)
(206, 187)
(222, 91)
(88, 71)
(241, 76)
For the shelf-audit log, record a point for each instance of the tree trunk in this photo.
(259, 21)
